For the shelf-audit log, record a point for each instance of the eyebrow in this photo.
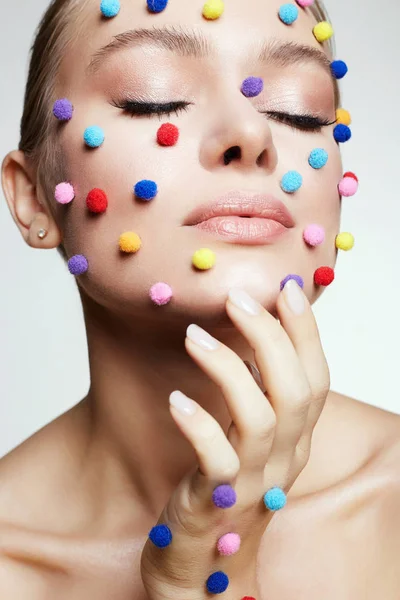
(194, 43)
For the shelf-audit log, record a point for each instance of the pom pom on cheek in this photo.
(296, 277)
(63, 109)
(304, 3)
(167, 134)
(97, 201)
(314, 235)
(160, 293)
(348, 186)
(64, 193)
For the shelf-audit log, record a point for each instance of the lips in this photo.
(242, 204)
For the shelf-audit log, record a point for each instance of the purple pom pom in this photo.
(78, 264)
(63, 109)
(224, 496)
(296, 277)
(252, 86)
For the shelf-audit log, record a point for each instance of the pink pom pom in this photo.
(304, 3)
(314, 234)
(160, 293)
(64, 193)
(228, 544)
(348, 186)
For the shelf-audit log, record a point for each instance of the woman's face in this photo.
(193, 172)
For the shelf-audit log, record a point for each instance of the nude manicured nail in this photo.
(294, 296)
(182, 403)
(242, 300)
(202, 338)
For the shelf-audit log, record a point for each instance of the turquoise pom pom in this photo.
(288, 13)
(94, 136)
(275, 498)
(110, 8)
(291, 181)
(318, 158)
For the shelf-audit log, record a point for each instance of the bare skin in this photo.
(77, 499)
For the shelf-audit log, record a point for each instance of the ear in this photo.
(28, 212)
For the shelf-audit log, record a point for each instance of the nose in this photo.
(238, 136)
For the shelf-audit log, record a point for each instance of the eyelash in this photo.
(303, 122)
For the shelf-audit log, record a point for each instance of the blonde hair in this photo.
(52, 39)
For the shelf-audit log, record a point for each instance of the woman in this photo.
(245, 95)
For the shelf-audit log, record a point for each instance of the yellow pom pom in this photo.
(213, 9)
(129, 242)
(344, 241)
(323, 31)
(204, 259)
(343, 116)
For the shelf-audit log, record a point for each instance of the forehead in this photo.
(242, 26)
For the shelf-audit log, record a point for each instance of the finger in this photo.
(251, 413)
(217, 460)
(303, 331)
(281, 372)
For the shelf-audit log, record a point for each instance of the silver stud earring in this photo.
(42, 233)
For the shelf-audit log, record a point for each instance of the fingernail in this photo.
(201, 337)
(294, 296)
(182, 403)
(242, 300)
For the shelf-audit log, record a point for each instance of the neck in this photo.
(135, 445)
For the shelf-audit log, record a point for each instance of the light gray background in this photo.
(43, 355)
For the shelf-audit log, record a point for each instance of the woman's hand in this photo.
(267, 446)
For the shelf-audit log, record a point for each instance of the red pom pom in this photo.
(248, 598)
(350, 174)
(96, 201)
(168, 134)
(324, 276)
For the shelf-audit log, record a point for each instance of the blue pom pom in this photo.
(291, 181)
(288, 13)
(342, 133)
(339, 69)
(93, 136)
(161, 536)
(217, 582)
(146, 189)
(110, 8)
(156, 6)
(275, 498)
(318, 158)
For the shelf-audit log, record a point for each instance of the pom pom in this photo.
(167, 134)
(314, 234)
(339, 69)
(204, 259)
(275, 498)
(97, 201)
(323, 31)
(342, 133)
(217, 582)
(156, 6)
(78, 264)
(224, 496)
(291, 182)
(213, 9)
(228, 544)
(343, 116)
(296, 277)
(93, 136)
(348, 186)
(324, 276)
(110, 8)
(304, 3)
(63, 109)
(146, 189)
(248, 598)
(350, 174)
(129, 242)
(318, 158)
(288, 13)
(64, 193)
(160, 293)
(252, 86)
(161, 536)
(344, 241)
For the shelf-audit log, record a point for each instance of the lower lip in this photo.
(253, 230)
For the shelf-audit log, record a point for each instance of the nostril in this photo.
(231, 154)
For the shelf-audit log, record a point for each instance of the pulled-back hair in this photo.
(52, 39)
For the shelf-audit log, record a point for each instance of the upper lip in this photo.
(241, 203)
